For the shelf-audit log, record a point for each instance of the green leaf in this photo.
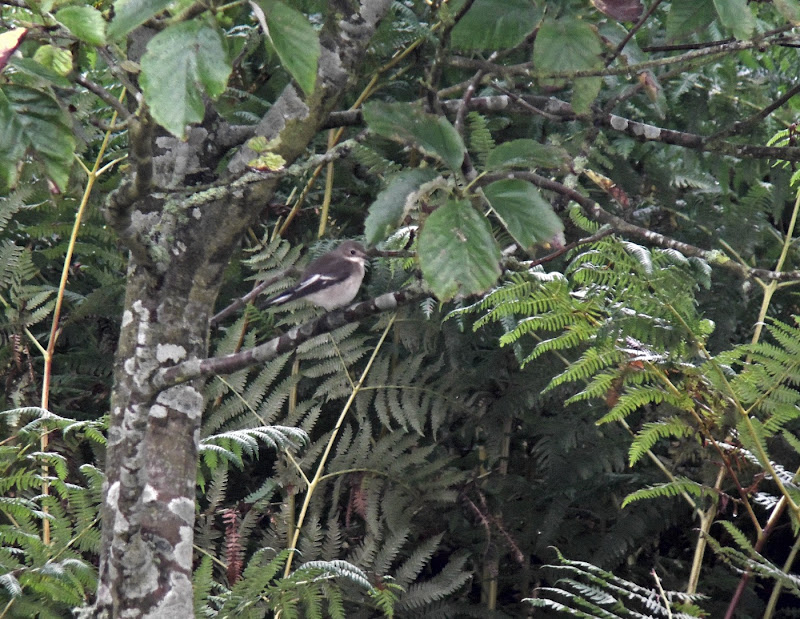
(688, 16)
(526, 215)
(128, 14)
(565, 46)
(434, 135)
(526, 153)
(736, 16)
(57, 59)
(457, 252)
(584, 92)
(85, 22)
(295, 41)
(389, 208)
(181, 64)
(31, 122)
(494, 24)
(29, 66)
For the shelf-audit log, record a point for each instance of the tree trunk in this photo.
(179, 251)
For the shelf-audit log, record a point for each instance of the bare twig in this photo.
(742, 125)
(633, 31)
(596, 212)
(600, 234)
(527, 69)
(461, 113)
(105, 96)
(242, 301)
(528, 106)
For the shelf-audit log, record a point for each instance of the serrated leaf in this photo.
(566, 45)
(526, 215)
(495, 24)
(57, 59)
(526, 153)
(9, 42)
(457, 252)
(434, 135)
(31, 122)
(85, 22)
(181, 64)
(388, 209)
(294, 39)
(736, 16)
(688, 16)
(128, 14)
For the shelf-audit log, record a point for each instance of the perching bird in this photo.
(330, 281)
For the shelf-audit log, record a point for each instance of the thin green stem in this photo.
(772, 604)
(318, 475)
(261, 420)
(55, 328)
(772, 286)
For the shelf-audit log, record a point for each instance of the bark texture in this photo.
(179, 248)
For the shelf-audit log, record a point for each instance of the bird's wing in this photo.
(316, 278)
(318, 281)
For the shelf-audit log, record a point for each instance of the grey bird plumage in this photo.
(330, 281)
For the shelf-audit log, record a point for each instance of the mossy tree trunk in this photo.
(179, 249)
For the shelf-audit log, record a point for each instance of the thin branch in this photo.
(743, 125)
(633, 31)
(556, 109)
(190, 370)
(433, 74)
(242, 301)
(600, 234)
(528, 106)
(121, 75)
(681, 47)
(527, 68)
(461, 112)
(684, 46)
(105, 96)
(596, 212)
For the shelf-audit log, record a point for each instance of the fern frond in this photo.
(638, 397)
(652, 432)
(668, 489)
(480, 138)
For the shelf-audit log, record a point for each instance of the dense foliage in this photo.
(585, 398)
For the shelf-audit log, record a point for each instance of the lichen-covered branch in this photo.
(290, 340)
(556, 109)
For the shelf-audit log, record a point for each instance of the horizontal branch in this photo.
(597, 213)
(556, 109)
(190, 370)
(527, 69)
(242, 301)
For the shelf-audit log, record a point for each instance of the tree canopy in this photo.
(569, 385)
